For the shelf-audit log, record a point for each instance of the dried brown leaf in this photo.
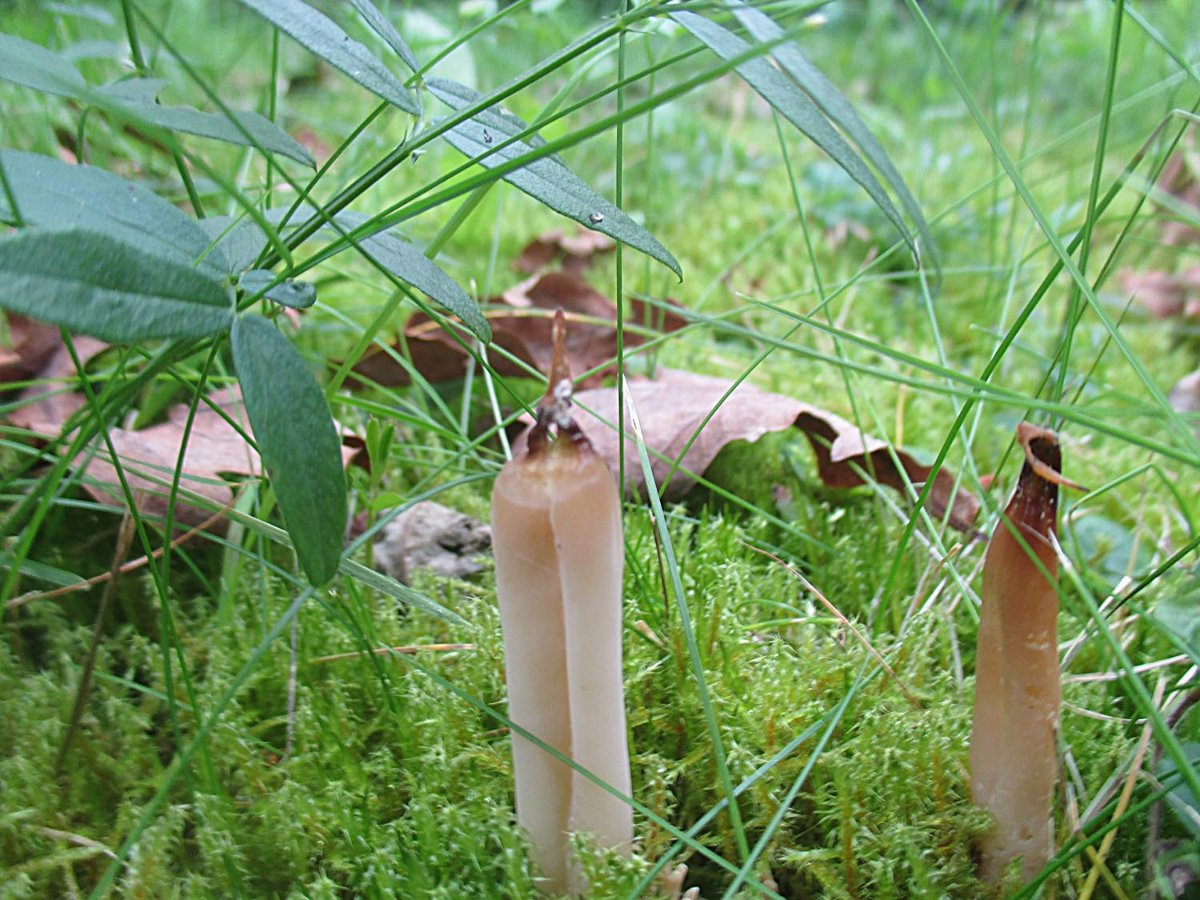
(522, 328)
(673, 408)
(574, 254)
(1163, 294)
(31, 344)
(149, 456)
(45, 406)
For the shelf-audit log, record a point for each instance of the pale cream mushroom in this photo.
(556, 527)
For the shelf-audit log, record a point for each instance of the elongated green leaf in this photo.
(382, 27)
(132, 90)
(98, 284)
(32, 65)
(795, 106)
(81, 50)
(296, 294)
(136, 98)
(244, 241)
(52, 193)
(319, 34)
(41, 571)
(484, 138)
(239, 239)
(297, 441)
(82, 11)
(833, 104)
(385, 584)
(1183, 802)
(408, 263)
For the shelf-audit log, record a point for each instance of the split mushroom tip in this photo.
(554, 409)
(1043, 455)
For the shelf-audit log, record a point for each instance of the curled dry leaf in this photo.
(45, 406)
(574, 254)
(30, 346)
(673, 407)
(149, 456)
(1165, 295)
(522, 328)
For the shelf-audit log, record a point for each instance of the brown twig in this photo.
(124, 540)
(388, 651)
(129, 566)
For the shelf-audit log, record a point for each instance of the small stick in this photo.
(389, 651)
(124, 540)
(123, 569)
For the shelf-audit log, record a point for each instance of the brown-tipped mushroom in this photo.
(556, 524)
(1017, 688)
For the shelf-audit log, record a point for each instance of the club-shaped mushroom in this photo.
(1017, 687)
(556, 524)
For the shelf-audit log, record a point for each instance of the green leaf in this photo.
(297, 441)
(833, 104)
(296, 294)
(132, 90)
(32, 65)
(1180, 797)
(547, 179)
(42, 572)
(243, 242)
(52, 193)
(255, 131)
(98, 284)
(387, 585)
(382, 27)
(794, 105)
(319, 34)
(238, 238)
(413, 267)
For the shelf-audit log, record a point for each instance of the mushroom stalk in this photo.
(1017, 687)
(556, 523)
